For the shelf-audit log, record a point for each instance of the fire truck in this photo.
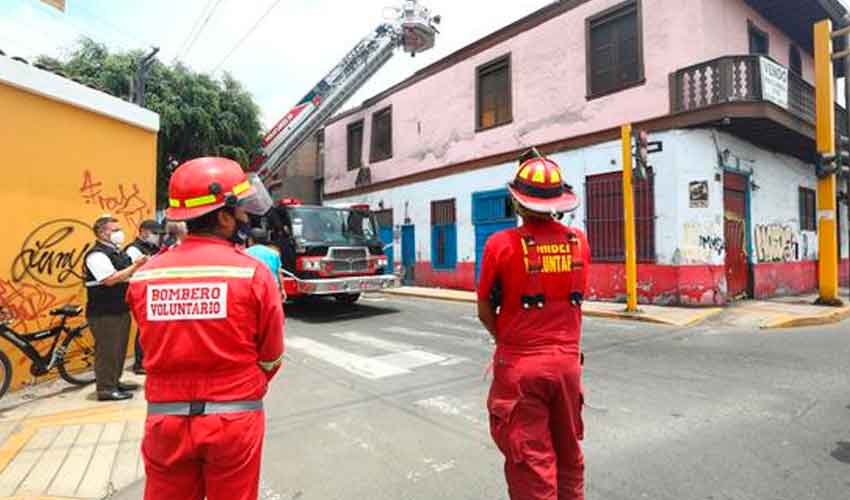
(335, 250)
(330, 250)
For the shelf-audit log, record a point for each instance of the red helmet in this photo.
(539, 187)
(202, 185)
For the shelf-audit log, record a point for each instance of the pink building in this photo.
(728, 209)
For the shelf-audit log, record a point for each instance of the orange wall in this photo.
(62, 167)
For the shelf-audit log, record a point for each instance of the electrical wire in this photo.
(201, 29)
(245, 37)
(195, 26)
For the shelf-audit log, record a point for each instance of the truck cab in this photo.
(330, 250)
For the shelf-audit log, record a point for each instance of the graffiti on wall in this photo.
(783, 243)
(52, 254)
(124, 202)
(702, 243)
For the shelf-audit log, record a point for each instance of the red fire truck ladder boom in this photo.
(411, 27)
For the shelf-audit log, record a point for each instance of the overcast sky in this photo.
(294, 47)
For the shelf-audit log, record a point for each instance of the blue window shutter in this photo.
(451, 246)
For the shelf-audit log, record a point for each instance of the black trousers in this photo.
(111, 336)
(138, 355)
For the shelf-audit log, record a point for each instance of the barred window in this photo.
(808, 210)
(604, 206)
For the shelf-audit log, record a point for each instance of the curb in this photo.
(625, 316)
(788, 321)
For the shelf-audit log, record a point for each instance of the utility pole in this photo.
(629, 220)
(841, 164)
(828, 161)
(137, 84)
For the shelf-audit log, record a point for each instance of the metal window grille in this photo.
(442, 212)
(808, 210)
(604, 217)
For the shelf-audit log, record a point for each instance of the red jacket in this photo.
(564, 270)
(211, 322)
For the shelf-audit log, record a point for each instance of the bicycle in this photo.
(73, 356)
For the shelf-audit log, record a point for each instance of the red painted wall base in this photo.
(700, 285)
(662, 285)
(460, 278)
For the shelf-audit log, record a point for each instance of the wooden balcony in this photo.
(732, 87)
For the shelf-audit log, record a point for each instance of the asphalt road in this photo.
(385, 401)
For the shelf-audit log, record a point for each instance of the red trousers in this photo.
(535, 420)
(213, 456)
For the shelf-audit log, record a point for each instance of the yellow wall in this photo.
(61, 167)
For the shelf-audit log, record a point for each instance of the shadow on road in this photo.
(317, 310)
(841, 452)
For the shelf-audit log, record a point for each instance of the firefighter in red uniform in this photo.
(531, 287)
(211, 322)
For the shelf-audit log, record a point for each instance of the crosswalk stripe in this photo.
(370, 368)
(411, 359)
(377, 343)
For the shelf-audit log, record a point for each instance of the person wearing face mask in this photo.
(211, 323)
(107, 268)
(146, 243)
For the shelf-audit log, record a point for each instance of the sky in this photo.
(296, 44)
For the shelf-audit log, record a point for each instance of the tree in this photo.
(199, 115)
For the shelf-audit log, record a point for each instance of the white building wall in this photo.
(685, 235)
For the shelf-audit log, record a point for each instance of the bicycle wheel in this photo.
(5, 373)
(77, 363)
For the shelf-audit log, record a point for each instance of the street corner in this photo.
(829, 316)
(662, 315)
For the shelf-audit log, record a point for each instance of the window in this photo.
(355, 145)
(795, 63)
(382, 135)
(443, 234)
(384, 217)
(493, 94)
(808, 210)
(604, 223)
(614, 49)
(759, 41)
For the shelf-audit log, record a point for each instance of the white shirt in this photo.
(100, 266)
(134, 253)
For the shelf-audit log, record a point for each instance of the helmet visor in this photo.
(259, 201)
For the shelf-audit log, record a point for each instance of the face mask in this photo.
(117, 238)
(240, 235)
(153, 239)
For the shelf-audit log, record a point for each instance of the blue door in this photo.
(408, 253)
(492, 211)
(386, 234)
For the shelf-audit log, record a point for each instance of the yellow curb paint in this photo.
(789, 321)
(36, 497)
(14, 444)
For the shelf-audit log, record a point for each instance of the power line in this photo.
(245, 37)
(201, 29)
(195, 26)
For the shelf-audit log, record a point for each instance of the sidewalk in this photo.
(57, 442)
(785, 312)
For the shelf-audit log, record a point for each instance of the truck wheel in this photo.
(347, 298)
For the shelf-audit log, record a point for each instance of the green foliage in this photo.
(199, 115)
